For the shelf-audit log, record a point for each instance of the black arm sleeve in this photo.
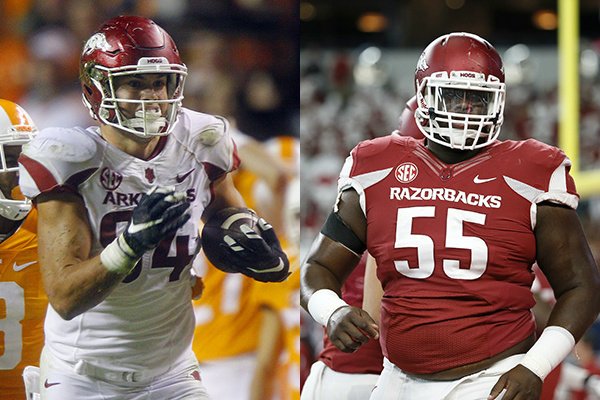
(336, 229)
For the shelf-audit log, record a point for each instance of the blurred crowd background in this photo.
(242, 57)
(357, 72)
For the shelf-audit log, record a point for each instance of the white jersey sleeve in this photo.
(211, 140)
(57, 159)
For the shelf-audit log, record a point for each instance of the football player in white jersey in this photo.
(119, 212)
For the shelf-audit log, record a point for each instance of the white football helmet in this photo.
(16, 129)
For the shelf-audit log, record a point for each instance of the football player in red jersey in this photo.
(119, 208)
(341, 375)
(455, 224)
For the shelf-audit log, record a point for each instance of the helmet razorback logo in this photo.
(422, 63)
(406, 172)
(97, 41)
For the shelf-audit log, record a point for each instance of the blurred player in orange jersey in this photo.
(239, 331)
(22, 298)
(288, 306)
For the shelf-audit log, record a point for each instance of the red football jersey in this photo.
(368, 358)
(454, 244)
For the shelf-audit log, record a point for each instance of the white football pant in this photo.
(60, 381)
(393, 384)
(323, 383)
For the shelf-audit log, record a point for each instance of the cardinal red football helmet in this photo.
(129, 45)
(460, 91)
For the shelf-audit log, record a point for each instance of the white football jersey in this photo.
(147, 322)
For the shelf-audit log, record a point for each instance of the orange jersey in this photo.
(227, 315)
(286, 148)
(23, 305)
(285, 298)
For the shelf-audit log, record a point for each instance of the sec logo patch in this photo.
(406, 172)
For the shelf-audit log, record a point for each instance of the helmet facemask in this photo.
(14, 210)
(13, 206)
(146, 122)
(462, 111)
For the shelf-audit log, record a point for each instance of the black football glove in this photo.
(159, 213)
(266, 261)
(251, 248)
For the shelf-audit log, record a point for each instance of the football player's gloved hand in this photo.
(236, 240)
(159, 213)
(263, 256)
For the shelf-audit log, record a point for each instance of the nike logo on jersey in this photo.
(21, 267)
(48, 384)
(181, 178)
(478, 180)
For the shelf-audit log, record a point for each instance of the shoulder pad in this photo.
(376, 146)
(537, 171)
(530, 152)
(204, 128)
(54, 157)
(70, 145)
(211, 134)
(381, 150)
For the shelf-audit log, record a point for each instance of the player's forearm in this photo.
(262, 385)
(576, 309)
(224, 195)
(267, 354)
(315, 277)
(327, 266)
(75, 288)
(570, 318)
(564, 256)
